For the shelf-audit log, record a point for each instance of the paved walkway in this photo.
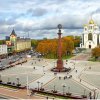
(79, 62)
(91, 73)
(18, 94)
(44, 80)
(76, 77)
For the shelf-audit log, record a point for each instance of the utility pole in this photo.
(27, 87)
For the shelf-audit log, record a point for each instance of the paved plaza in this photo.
(85, 75)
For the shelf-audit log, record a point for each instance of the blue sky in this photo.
(40, 18)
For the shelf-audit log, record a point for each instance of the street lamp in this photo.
(8, 80)
(54, 87)
(94, 90)
(84, 91)
(38, 84)
(41, 85)
(63, 89)
(54, 63)
(0, 78)
(17, 80)
(27, 86)
(74, 65)
(68, 89)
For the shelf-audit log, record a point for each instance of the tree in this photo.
(96, 52)
(49, 47)
(68, 45)
(34, 43)
(2, 42)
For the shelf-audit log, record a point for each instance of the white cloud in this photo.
(41, 17)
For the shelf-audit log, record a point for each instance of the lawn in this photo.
(52, 56)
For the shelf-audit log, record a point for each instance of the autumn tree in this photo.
(68, 45)
(49, 47)
(96, 52)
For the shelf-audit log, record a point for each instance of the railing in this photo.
(56, 93)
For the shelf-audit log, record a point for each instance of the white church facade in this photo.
(90, 36)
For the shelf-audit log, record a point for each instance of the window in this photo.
(90, 36)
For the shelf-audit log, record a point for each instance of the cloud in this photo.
(37, 12)
(41, 17)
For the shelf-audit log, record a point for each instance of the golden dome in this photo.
(91, 21)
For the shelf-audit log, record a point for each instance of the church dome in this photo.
(91, 21)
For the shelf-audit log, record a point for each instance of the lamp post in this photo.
(27, 87)
(38, 85)
(54, 64)
(43, 68)
(68, 89)
(84, 91)
(63, 89)
(74, 65)
(41, 85)
(54, 87)
(8, 80)
(17, 80)
(0, 78)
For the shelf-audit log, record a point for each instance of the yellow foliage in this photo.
(50, 46)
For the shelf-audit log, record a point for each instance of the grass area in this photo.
(8, 86)
(68, 57)
(93, 59)
(52, 56)
(53, 96)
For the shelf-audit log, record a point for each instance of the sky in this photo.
(39, 18)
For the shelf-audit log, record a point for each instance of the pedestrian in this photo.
(80, 80)
(59, 77)
(76, 71)
(90, 95)
(89, 67)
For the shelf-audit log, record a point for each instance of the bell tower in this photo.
(13, 39)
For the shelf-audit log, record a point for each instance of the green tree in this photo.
(34, 43)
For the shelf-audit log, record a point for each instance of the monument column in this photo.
(59, 61)
(60, 67)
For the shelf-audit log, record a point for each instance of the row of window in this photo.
(90, 27)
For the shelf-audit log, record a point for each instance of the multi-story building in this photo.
(91, 35)
(17, 44)
(3, 50)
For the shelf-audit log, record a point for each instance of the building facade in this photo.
(3, 49)
(17, 44)
(90, 36)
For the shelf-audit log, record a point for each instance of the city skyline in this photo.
(40, 18)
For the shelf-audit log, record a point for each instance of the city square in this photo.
(48, 79)
(50, 49)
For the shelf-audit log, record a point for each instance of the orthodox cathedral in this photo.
(90, 36)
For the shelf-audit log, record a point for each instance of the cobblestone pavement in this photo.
(42, 67)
